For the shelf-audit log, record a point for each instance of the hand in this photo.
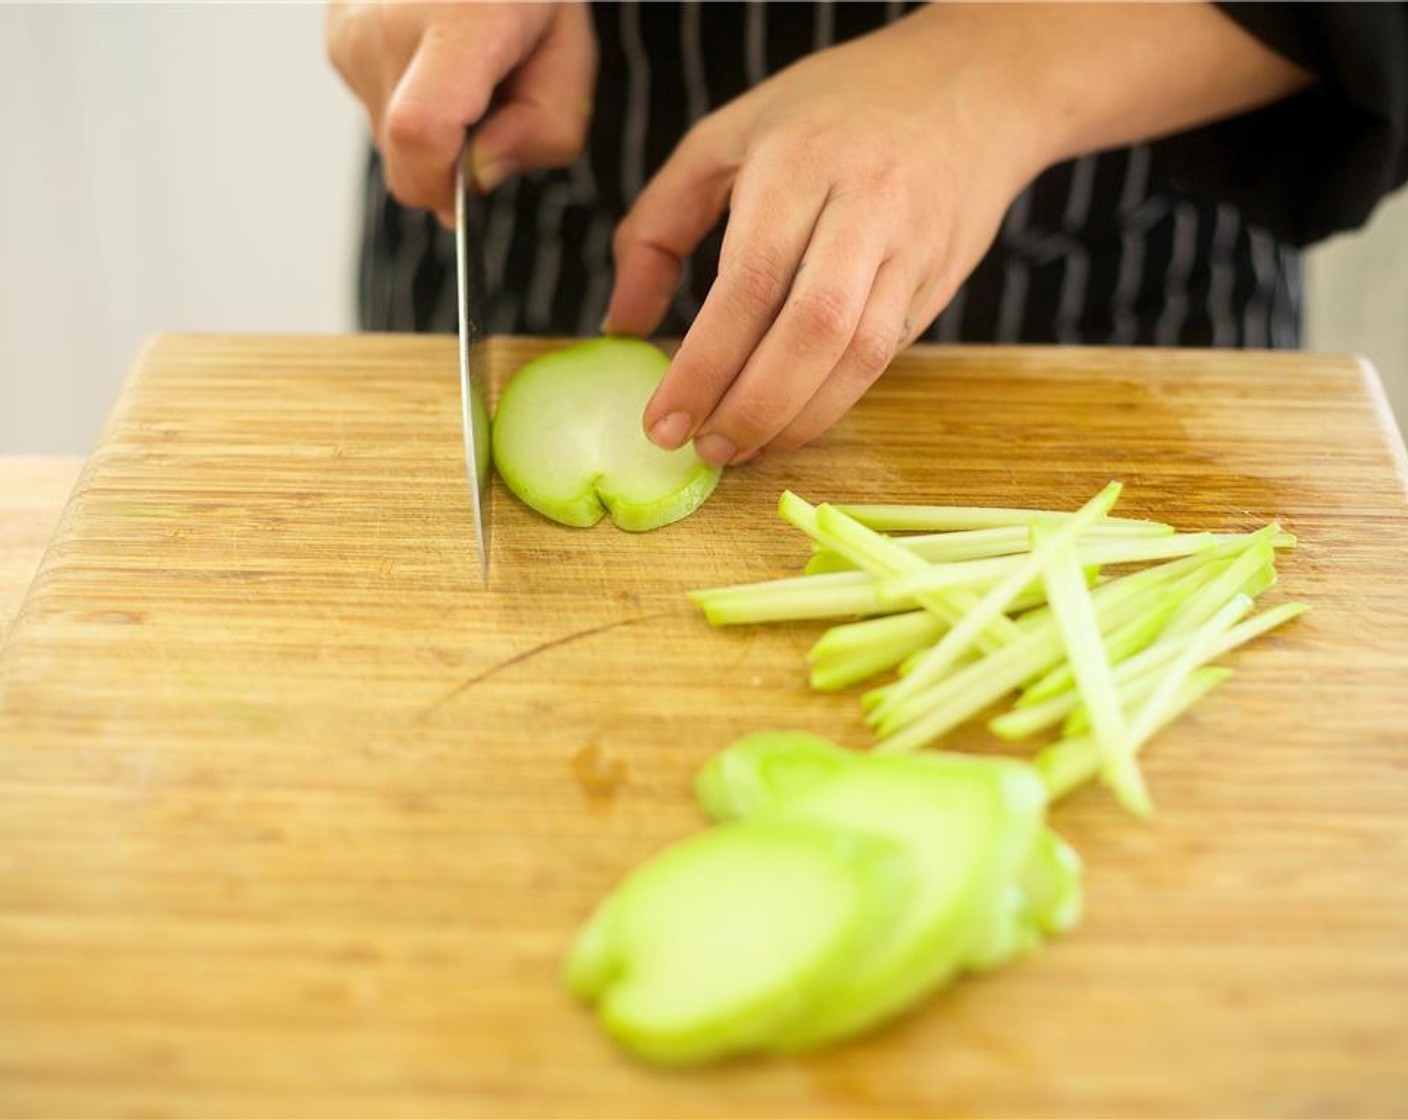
(866, 182)
(426, 72)
(863, 186)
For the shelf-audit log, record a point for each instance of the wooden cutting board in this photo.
(296, 819)
(32, 493)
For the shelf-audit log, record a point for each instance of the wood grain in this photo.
(32, 495)
(297, 820)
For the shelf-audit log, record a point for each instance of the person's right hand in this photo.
(426, 72)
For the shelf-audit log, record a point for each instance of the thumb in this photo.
(542, 121)
(674, 212)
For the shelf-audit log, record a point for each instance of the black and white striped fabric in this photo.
(1103, 250)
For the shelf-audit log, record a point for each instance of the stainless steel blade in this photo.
(474, 403)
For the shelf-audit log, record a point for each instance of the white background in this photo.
(196, 166)
(162, 167)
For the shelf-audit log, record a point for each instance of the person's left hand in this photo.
(864, 184)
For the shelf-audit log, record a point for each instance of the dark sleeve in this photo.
(1317, 163)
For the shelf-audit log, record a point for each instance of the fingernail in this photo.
(670, 431)
(714, 449)
(746, 457)
(489, 175)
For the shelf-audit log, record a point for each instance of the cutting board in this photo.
(32, 492)
(297, 819)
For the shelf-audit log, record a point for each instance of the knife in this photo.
(474, 411)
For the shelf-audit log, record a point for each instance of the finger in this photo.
(446, 88)
(679, 205)
(886, 325)
(810, 333)
(544, 121)
(353, 48)
(768, 231)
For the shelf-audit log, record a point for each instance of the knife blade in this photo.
(474, 411)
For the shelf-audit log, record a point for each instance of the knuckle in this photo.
(818, 144)
(874, 177)
(410, 124)
(872, 348)
(814, 148)
(874, 166)
(759, 278)
(882, 187)
(877, 185)
(824, 311)
(788, 146)
(751, 420)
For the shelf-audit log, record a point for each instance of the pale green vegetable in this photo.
(920, 627)
(970, 826)
(567, 439)
(932, 667)
(762, 770)
(1154, 712)
(1122, 642)
(858, 651)
(1045, 900)
(726, 939)
(971, 544)
(1131, 692)
(993, 629)
(977, 544)
(1051, 883)
(908, 723)
(1090, 662)
(797, 598)
(926, 518)
(840, 889)
(842, 670)
(881, 557)
(1139, 676)
(837, 594)
(1069, 764)
(843, 887)
(990, 880)
(1130, 639)
(1091, 553)
(1253, 570)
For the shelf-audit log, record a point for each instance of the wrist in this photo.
(978, 65)
(1056, 81)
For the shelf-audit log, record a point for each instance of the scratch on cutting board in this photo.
(527, 654)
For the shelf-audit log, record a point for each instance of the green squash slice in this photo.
(970, 826)
(567, 440)
(991, 881)
(761, 770)
(725, 939)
